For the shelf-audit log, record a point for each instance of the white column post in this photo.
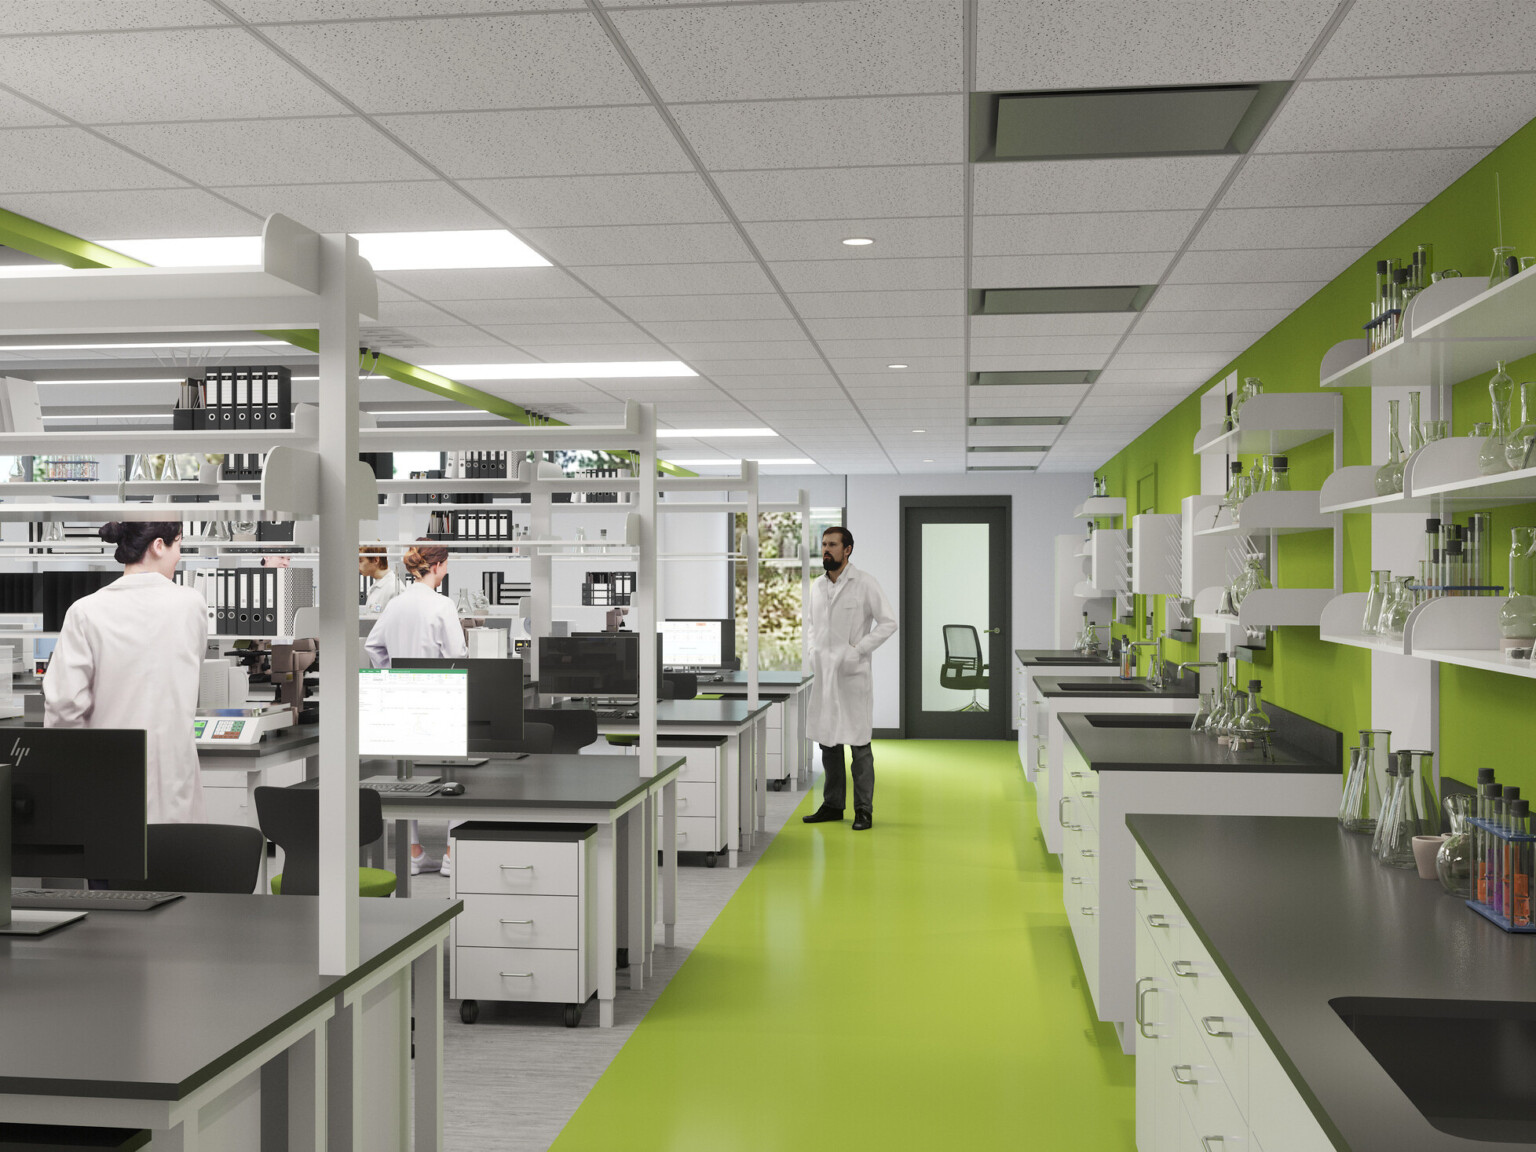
(647, 594)
(754, 618)
(540, 565)
(805, 579)
(337, 598)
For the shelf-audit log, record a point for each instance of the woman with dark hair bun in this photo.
(130, 656)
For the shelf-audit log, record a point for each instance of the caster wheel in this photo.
(469, 1011)
(709, 859)
(572, 1015)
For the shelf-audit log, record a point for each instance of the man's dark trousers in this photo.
(834, 789)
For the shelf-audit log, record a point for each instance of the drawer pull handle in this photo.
(1077, 879)
(1185, 968)
(517, 975)
(1158, 920)
(1187, 1068)
(682, 803)
(1138, 885)
(1205, 1142)
(1141, 1006)
(1206, 1022)
(517, 867)
(1087, 911)
(517, 921)
(1088, 853)
(1087, 794)
(1062, 820)
(1077, 775)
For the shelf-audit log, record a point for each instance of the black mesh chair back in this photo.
(680, 686)
(290, 818)
(200, 858)
(963, 668)
(574, 728)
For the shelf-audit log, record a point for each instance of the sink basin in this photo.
(1465, 1064)
(1152, 721)
(1077, 660)
(1104, 687)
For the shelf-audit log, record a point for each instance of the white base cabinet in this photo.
(1034, 714)
(701, 817)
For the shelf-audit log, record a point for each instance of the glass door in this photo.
(955, 617)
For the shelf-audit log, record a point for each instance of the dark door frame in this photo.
(1002, 592)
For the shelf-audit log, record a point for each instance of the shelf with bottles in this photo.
(1463, 630)
(1096, 506)
(1275, 512)
(1449, 471)
(1343, 621)
(1353, 489)
(1274, 422)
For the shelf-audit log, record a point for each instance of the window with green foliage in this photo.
(778, 593)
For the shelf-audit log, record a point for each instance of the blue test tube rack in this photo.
(1487, 910)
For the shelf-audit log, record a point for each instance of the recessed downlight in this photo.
(919, 429)
(898, 365)
(927, 460)
(858, 241)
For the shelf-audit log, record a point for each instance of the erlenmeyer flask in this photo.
(1501, 265)
(1364, 796)
(1370, 625)
(1394, 617)
(1392, 843)
(1417, 767)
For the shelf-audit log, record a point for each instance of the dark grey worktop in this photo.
(721, 713)
(1038, 657)
(284, 740)
(149, 1005)
(780, 684)
(1174, 750)
(543, 781)
(1295, 913)
(1051, 686)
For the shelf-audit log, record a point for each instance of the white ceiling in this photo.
(690, 169)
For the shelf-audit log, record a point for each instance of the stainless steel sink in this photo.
(1465, 1064)
(1075, 660)
(1106, 686)
(1151, 721)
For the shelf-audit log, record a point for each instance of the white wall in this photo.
(694, 589)
(1042, 510)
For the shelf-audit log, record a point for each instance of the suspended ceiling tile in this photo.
(1081, 232)
(1051, 324)
(1448, 112)
(676, 279)
(587, 310)
(822, 239)
(390, 206)
(137, 214)
(640, 244)
(489, 62)
(682, 309)
(794, 51)
(488, 283)
(1229, 343)
(488, 351)
(888, 327)
(36, 16)
(1140, 185)
(846, 193)
(18, 113)
(888, 130)
(1355, 227)
(928, 302)
(593, 201)
(547, 142)
(583, 353)
(1068, 271)
(1195, 361)
(169, 74)
(1319, 178)
(313, 151)
(864, 365)
(440, 336)
(1254, 322)
(913, 378)
(897, 350)
(768, 350)
(1274, 265)
(409, 313)
(711, 368)
(688, 330)
(597, 333)
(71, 160)
(1391, 37)
(870, 275)
(1204, 297)
(1037, 346)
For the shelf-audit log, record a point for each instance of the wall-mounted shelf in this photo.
(1447, 471)
(1340, 624)
(1096, 506)
(1277, 512)
(1274, 422)
(82, 488)
(1109, 560)
(1353, 489)
(1460, 630)
(1083, 590)
(1283, 607)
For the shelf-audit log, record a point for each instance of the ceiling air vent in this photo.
(1015, 421)
(378, 337)
(1040, 301)
(1070, 376)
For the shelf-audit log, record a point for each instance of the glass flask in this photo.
(1389, 477)
(1501, 265)
(1232, 499)
(1375, 598)
(1394, 617)
(1366, 788)
(1245, 488)
(1415, 425)
(1520, 448)
(1252, 386)
(1453, 862)
(1392, 842)
(1202, 715)
(1517, 615)
(1500, 390)
(1262, 476)
(1253, 730)
(1280, 474)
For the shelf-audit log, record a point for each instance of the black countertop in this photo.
(149, 1005)
(542, 781)
(701, 713)
(1038, 657)
(1136, 749)
(1051, 686)
(1295, 912)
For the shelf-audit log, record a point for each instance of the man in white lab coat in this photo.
(848, 617)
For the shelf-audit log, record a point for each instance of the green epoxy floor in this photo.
(911, 987)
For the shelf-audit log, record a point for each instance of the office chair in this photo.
(290, 818)
(538, 738)
(679, 686)
(963, 667)
(574, 728)
(200, 858)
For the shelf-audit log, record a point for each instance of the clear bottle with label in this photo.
(1389, 477)
(1491, 460)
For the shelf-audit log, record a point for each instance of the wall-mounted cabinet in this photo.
(1109, 561)
(1157, 555)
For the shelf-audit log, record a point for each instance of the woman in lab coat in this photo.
(129, 656)
(420, 622)
(374, 563)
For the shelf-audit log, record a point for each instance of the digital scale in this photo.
(222, 727)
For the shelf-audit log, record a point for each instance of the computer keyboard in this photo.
(617, 714)
(404, 787)
(83, 899)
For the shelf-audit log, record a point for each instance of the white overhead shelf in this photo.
(1100, 506)
(1274, 422)
(1280, 607)
(1447, 471)
(1278, 512)
(1340, 624)
(1461, 630)
(65, 489)
(1353, 489)
(511, 437)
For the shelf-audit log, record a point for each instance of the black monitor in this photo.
(495, 700)
(78, 806)
(592, 664)
(698, 643)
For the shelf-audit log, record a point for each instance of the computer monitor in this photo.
(495, 700)
(592, 664)
(698, 643)
(77, 805)
(412, 715)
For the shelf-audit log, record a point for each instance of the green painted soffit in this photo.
(48, 243)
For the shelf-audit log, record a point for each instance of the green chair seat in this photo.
(619, 740)
(370, 882)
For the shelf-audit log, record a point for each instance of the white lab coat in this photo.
(846, 622)
(384, 589)
(130, 656)
(420, 622)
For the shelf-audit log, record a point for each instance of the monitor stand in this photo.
(466, 762)
(38, 921)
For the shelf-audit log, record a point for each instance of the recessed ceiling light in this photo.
(734, 463)
(1009, 448)
(858, 241)
(710, 433)
(191, 251)
(927, 461)
(595, 370)
(1033, 377)
(898, 365)
(919, 429)
(1004, 421)
(188, 343)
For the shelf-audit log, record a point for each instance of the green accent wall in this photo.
(1486, 718)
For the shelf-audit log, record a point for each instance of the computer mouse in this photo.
(453, 788)
(631, 715)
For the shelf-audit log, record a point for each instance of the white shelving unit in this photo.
(1273, 422)
(1353, 489)
(1462, 630)
(1340, 624)
(1096, 506)
(1157, 560)
(1280, 513)
(1108, 563)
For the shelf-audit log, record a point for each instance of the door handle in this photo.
(992, 631)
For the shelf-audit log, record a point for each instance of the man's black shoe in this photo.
(862, 821)
(822, 815)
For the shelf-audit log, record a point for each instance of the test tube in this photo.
(1422, 265)
(1495, 848)
(1379, 302)
(1455, 568)
(1399, 283)
(1525, 855)
(1507, 855)
(1485, 787)
(1477, 544)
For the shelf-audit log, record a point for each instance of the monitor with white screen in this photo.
(697, 643)
(413, 715)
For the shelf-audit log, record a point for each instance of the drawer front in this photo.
(1217, 1015)
(775, 741)
(1277, 1115)
(695, 834)
(506, 867)
(698, 764)
(694, 798)
(544, 975)
(1083, 917)
(518, 921)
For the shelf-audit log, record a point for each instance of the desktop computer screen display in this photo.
(698, 643)
(412, 715)
(495, 700)
(592, 664)
(78, 805)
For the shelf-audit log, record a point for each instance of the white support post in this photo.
(754, 618)
(647, 595)
(540, 565)
(805, 580)
(337, 598)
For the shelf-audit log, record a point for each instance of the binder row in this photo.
(469, 526)
(607, 589)
(501, 592)
(252, 601)
(242, 465)
(247, 397)
(475, 465)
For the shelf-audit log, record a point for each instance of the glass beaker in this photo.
(1389, 477)
(1375, 597)
(1394, 614)
(1517, 615)
(1490, 459)
(1392, 842)
(1502, 256)
(1262, 476)
(1453, 862)
(1366, 787)
(1280, 474)
(1436, 430)
(1520, 448)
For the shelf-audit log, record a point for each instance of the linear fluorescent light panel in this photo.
(191, 251)
(1015, 421)
(799, 460)
(710, 433)
(146, 344)
(596, 370)
(386, 251)
(1070, 376)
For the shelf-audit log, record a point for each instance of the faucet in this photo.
(1187, 665)
(1155, 673)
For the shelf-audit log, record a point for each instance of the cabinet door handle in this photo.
(1087, 911)
(1158, 920)
(1187, 1068)
(1141, 1006)
(517, 921)
(1087, 853)
(517, 975)
(1206, 1021)
(1077, 775)
(1075, 879)
(1089, 794)
(1205, 1142)
(517, 867)
(1185, 968)
(1137, 885)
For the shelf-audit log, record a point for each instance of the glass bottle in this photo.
(1280, 474)
(1395, 617)
(1502, 270)
(1520, 448)
(1415, 426)
(1367, 787)
(1232, 499)
(1422, 261)
(1253, 729)
(1524, 860)
(1517, 615)
(1453, 862)
(1375, 597)
(1389, 477)
(1203, 714)
(1392, 843)
(1500, 390)
(1262, 475)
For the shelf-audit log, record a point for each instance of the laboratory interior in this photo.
(478, 477)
